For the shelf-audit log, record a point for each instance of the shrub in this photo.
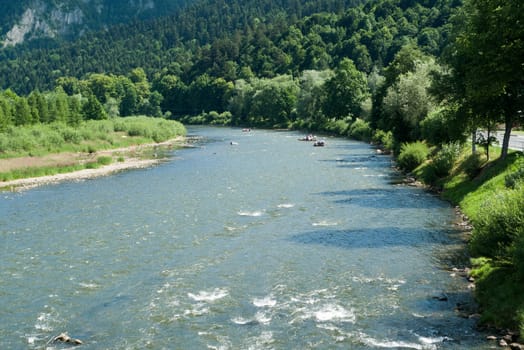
(52, 140)
(384, 139)
(71, 135)
(412, 155)
(444, 160)
(360, 130)
(338, 127)
(498, 226)
(473, 164)
(443, 125)
(513, 179)
(104, 160)
(220, 119)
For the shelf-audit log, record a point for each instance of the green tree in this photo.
(129, 101)
(174, 91)
(102, 86)
(273, 102)
(22, 114)
(407, 102)
(5, 117)
(40, 104)
(75, 110)
(310, 98)
(486, 58)
(6, 111)
(345, 91)
(93, 109)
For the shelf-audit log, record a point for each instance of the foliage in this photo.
(57, 137)
(104, 160)
(407, 102)
(514, 179)
(264, 37)
(443, 162)
(311, 97)
(499, 294)
(211, 118)
(473, 164)
(442, 126)
(345, 91)
(384, 140)
(337, 127)
(499, 226)
(360, 130)
(499, 236)
(497, 214)
(412, 155)
(486, 59)
(40, 171)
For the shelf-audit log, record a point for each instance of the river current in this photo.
(250, 240)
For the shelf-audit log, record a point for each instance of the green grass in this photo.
(90, 136)
(499, 278)
(471, 193)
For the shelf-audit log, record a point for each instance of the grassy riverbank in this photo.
(43, 150)
(491, 194)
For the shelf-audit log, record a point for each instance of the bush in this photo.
(443, 125)
(515, 178)
(338, 127)
(360, 130)
(499, 225)
(71, 135)
(444, 160)
(384, 139)
(220, 119)
(104, 160)
(412, 155)
(473, 164)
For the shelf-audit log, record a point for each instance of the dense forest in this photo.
(416, 77)
(225, 39)
(50, 22)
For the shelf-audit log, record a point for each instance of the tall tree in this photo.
(93, 109)
(22, 112)
(345, 91)
(488, 62)
(407, 102)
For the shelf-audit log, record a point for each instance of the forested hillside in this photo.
(53, 21)
(224, 38)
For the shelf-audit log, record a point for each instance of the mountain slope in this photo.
(229, 38)
(32, 19)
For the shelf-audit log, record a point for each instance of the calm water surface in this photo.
(270, 243)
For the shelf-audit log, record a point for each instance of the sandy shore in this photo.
(130, 161)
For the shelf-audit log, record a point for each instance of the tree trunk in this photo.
(508, 126)
(474, 142)
(488, 141)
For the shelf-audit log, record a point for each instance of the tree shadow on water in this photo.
(385, 198)
(370, 238)
(360, 160)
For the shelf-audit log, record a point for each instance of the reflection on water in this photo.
(269, 243)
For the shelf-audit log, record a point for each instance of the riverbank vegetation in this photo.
(417, 78)
(492, 196)
(33, 147)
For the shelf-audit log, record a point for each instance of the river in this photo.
(266, 243)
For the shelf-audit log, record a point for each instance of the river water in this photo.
(269, 243)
